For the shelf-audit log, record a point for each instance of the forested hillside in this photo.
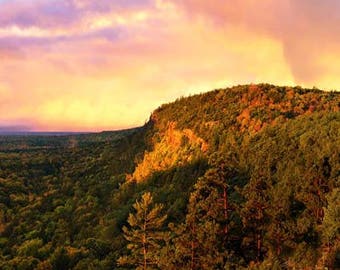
(239, 178)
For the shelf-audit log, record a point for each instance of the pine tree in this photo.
(201, 241)
(254, 215)
(331, 229)
(197, 244)
(144, 234)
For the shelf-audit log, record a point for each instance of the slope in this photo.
(270, 154)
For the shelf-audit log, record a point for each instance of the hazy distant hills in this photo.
(9, 132)
(27, 131)
(248, 177)
(13, 129)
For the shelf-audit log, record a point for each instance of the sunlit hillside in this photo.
(239, 178)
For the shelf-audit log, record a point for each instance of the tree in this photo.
(254, 215)
(201, 241)
(144, 234)
(331, 228)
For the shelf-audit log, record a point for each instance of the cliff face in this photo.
(248, 177)
(175, 148)
(199, 125)
(270, 154)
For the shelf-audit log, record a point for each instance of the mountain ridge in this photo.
(254, 169)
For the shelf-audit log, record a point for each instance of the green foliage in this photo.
(248, 178)
(144, 235)
(331, 222)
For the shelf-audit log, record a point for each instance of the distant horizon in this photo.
(34, 128)
(15, 130)
(94, 65)
(44, 132)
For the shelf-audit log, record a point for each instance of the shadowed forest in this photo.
(246, 177)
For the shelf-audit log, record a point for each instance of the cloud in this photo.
(93, 65)
(51, 14)
(306, 29)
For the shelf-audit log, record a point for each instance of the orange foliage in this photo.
(169, 152)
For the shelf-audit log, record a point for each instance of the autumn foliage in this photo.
(239, 178)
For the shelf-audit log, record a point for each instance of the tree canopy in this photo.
(239, 178)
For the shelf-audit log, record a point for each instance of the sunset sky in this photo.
(91, 65)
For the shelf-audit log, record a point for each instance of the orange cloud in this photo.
(107, 70)
(307, 30)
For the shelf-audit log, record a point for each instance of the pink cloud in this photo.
(60, 13)
(305, 28)
(84, 64)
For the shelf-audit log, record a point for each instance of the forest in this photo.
(246, 177)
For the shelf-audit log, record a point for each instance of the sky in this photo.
(92, 65)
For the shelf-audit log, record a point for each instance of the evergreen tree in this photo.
(331, 229)
(254, 216)
(201, 241)
(196, 244)
(144, 234)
